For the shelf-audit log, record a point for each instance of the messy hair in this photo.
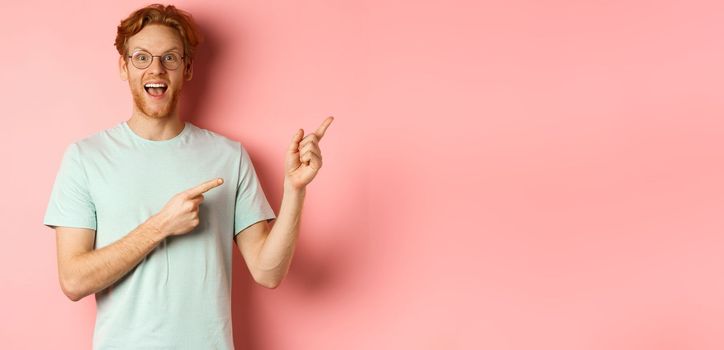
(159, 14)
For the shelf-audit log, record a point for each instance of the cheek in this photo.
(178, 84)
(134, 81)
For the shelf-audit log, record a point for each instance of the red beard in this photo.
(140, 99)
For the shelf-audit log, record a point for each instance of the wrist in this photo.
(154, 226)
(291, 190)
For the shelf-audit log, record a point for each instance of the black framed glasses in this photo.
(142, 59)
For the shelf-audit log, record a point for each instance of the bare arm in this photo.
(268, 251)
(84, 271)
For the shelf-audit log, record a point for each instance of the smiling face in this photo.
(155, 101)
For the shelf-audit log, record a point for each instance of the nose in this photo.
(156, 67)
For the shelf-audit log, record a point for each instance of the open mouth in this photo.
(155, 89)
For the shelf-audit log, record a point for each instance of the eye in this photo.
(141, 57)
(169, 57)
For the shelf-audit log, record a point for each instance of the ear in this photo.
(123, 68)
(189, 71)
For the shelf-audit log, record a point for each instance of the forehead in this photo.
(156, 37)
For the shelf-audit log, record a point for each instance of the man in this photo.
(145, 212)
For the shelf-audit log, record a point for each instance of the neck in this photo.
(155, 129)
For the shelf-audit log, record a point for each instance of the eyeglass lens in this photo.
(143, 59)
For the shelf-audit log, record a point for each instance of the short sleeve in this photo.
(251, 203)
(70, 202)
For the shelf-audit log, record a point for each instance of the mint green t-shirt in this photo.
(179, 295)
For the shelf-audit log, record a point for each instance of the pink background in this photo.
(499, 175)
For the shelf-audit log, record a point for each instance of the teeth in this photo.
(155, 85)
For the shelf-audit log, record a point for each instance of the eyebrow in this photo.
(171, 49)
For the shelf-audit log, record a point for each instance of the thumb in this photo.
(294, 146)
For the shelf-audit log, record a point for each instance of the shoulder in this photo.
(219, 142)
(97, 141)
(78, 153)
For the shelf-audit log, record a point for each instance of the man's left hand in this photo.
(304, 158)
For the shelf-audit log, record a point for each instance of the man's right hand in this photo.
(181, 214)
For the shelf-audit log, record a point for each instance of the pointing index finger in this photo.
(193, 192)
(323, 128)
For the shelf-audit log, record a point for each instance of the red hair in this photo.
(159, 14)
